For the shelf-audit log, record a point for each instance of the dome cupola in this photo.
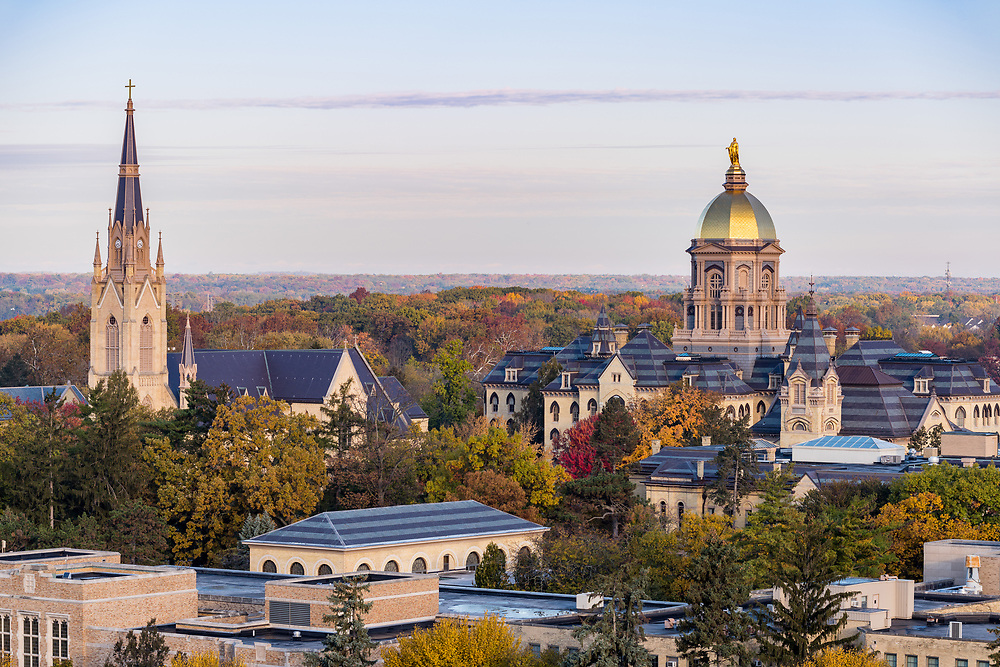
(735, 214)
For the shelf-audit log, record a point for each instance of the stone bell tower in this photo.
(128, 298)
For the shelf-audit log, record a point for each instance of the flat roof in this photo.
(235, 583)
(518, 605)
(48, 554)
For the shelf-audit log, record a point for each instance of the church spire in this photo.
(97, 258)
(128, 205)
(187, 351)
(159, 259)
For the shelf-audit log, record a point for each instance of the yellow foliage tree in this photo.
(921, 518)
(674, 417)
(203, 659)
(454, 643)
(840, 657)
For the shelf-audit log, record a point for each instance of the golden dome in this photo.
(735, 214)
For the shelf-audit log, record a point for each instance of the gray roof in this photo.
(354, 529)
(847, 442)
(37, 394)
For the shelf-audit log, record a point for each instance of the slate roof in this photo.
(760, 374)
(397, 394)
(401, 524)
(527, 363)
(128, 203)
(867, 353)
(810, 349)
(951, 377)
(37, 393)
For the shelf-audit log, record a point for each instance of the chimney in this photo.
(852, 335)
(830, 338)
(771, 452)
(621, 335)
(968, 463)
(701, 468)
(655, 446)
(706, 440)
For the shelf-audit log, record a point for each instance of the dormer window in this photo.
(772, 381)
(611, 346)
(566, 380)
(986, 385)
(920, 386)
(596, 348)
(510, 375)
(688, 380)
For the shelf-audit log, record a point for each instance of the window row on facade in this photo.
(29, 648)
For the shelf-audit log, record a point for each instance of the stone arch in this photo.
(831, 425)
(592, 407)
(800, 425)
(615, 399)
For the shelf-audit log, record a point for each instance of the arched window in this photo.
(146, 345)
(680, 512)
(268, 566)
(296, 568)
(996, 413)
(324, 570)
(831, 425)
(617, 400)
(746, 409)
(975, 416)
(690, 317)
(749, 317)
(510, 403)
(831, 391)
(112, 338)
(765, 281)
(987, 415)
(391, 566)
(419, 566)
(553, 435)
(761, 408)
(510, 426)
(523, 552)
(364, 567)
(554, 411)
(715, 285)
(740, 320)
(730, 413)
(960, 417)
(494, 402)
(663, 507)
(740, 413)
(472, 562)
(743, 278)
(715, 313)
(574, 412)
(800, 426)
(592, 407)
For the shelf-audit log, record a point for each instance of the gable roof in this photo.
(401, 524)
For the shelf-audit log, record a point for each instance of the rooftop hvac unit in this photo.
(955, 629)
(891, 459)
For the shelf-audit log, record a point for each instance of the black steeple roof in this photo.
(128, 205)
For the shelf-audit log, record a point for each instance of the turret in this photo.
(188, 369)
(159, 258)
(97, 258)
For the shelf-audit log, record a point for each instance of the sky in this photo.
(514, 137)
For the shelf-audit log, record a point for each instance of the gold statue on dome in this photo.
(734, 153)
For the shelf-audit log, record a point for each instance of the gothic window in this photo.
(554, 411)
(975, 416)
(30, 642)
(494, 402)
(740, 414)
(510, 426)
(715, 285)
(60, 639)
(592, 407)
(730, 413)
(574, 412)
(761, 408)
(510, 403)
(960, 417)
(111, 342)
(739, 318)
(831, 425)
(554, 435)
(746, 409)
(690, 317)
(146, 345)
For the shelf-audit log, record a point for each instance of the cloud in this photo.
(509, 97)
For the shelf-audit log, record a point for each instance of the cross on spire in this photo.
(130, 87)
(811, 285)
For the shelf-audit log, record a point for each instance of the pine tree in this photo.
(616, 635)
(738, 470)
(349, 644)
(806, 617)
(492, 570)
(149, 649)
(714, 625)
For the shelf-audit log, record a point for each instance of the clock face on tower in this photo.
(118, 243)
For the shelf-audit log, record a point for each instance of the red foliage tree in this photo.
(573, 450)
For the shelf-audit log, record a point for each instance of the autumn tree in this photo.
(675, 416)
(845, 657)
(615, 436)
(487, 642)
(531, 416)
(258, 458)
(971, 494)
(348, 645)
(452, 397)
(572, 449)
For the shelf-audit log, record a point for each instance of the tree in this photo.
(496, 490)
(452, 397)
(840, 657)
(806, 617)
(531, 416)
(253, 526)
(572, 449)
(715, 627)
(776, 522)
(149, 649)
(492, 570)
(454, 643)
(108, 466)
(924, 437)
(615, 436)
(258, 458)
(349, 644)
(737, 469)
(616, 635)
(675, 416)
(602, 496)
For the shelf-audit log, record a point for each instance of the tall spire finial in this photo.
(130, 87)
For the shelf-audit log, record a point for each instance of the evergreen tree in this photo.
(603, 495)
(108, 466)
(714, 625)
(806, 617)
(775, 523)
(492, 570)
(452, 398)
(531, 416)
(738, 470)
(615, 435)
(616, 635)
(349, 644)
(149, 649)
